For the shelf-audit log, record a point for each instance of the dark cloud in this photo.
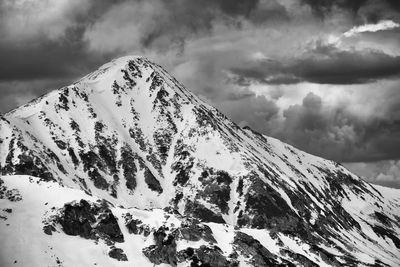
(258, 110)
(47, 59)
(269, 11)
(394, 4)
(50, 52)
(232, 7)
(362, 10)
(17, 93)
(376, 10)
(199, 15)
(56, 47)
(323, 7)
(163, 25)
(386, 173)
(337, 133)
(39, 53)
(325, 64)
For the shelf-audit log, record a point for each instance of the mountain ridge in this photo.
(132, 136)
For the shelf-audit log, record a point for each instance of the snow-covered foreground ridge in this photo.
(126, 167)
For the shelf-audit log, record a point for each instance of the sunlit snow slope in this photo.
(126, 167)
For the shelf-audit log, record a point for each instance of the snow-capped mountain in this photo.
(126, 167)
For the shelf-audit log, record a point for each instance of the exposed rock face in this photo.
(197, 232)
(117, 254)
(90, 221)
(164, 251)
(77, 219)
(206, 256)
(136, 226)
(10, 194)
(199, 211)
(252, 249)
(165, 248)
(147, 164)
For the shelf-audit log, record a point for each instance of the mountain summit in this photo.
(126, 167)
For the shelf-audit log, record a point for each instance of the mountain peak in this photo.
(116, 71)
(122, 78)
(113, 66)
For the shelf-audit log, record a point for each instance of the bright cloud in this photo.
(380, 26)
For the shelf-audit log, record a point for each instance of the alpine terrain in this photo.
(126, 167)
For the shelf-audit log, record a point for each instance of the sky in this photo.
(322, 75)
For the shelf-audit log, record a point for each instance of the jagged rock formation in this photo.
(127, 166)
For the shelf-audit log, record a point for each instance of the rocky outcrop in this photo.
(251, 249)
(117, 254)
(136, 226)
(90, 221)
(206, 256)
(164, 250)
(196, 232)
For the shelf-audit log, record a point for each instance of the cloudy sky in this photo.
(322, 75)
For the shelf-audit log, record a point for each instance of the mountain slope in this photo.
(134, 143)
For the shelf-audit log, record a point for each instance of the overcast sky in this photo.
(319, 74)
